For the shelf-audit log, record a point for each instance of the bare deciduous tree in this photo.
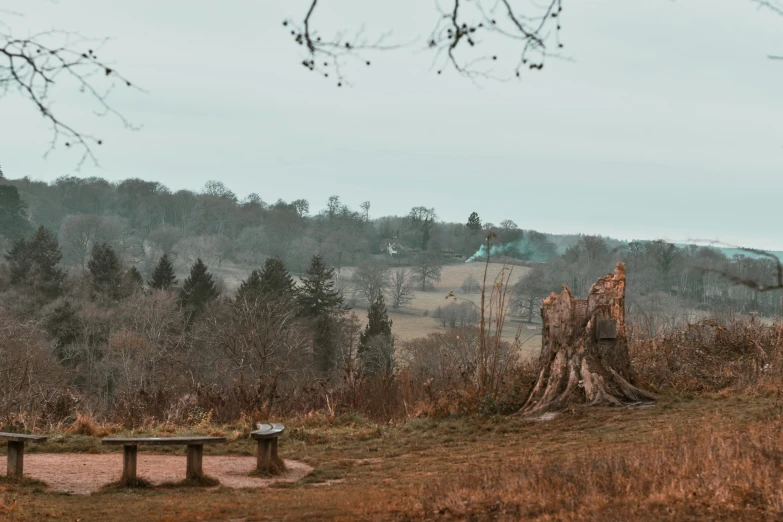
(427, 269)
(79, 233)
(365, 206)
(213, 250)
(30, 378)
(400, 287)
(470, 285)
(263, 340)
(370, 280)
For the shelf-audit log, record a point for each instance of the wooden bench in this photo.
(267, 460)
(16, 451)
(195, 452)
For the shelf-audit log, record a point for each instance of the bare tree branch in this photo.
(457, 33)
(35, 65)
(330, 55)
(775, 6)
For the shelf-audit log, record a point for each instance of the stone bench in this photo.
(195, 452)
(267, 461)
(16, 451)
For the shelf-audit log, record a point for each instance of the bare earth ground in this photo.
(84, 474)
(364, 471)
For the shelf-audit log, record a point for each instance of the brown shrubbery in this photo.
(712, 355)
(138, 364)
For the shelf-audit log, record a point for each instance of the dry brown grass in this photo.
(84, 424)
(708, 472)
(683, 459)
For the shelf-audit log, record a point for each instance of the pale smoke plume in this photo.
(522, 249)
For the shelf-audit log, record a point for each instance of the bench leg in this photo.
(15, 458)
(264, 455)
(129, 465)
(195, 454)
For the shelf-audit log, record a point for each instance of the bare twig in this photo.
(327, 56)
(36, 64)
(775, 6)
(457, 30)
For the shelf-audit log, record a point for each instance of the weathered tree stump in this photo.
(584, 351)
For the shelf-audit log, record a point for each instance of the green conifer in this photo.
(321, 301)
(198, 289)
(376, 343)
(35, 262)
(272, 282)
(133, 281)
(13, 221)
(318, 294)
(276, 280)
(105, 270)
(163, 277)
(474, 223)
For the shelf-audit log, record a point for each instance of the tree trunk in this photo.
(584, 352)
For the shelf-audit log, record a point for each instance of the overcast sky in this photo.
(666, 124)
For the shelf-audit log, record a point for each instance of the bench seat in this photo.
(163, 441)
(16, 451)
(195, 453)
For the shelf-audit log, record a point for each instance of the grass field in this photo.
(416, 320)
(686, 458)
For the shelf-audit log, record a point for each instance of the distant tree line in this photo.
(666, 283)
(143, 220)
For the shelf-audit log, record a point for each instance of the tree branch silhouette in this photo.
(35, 66)
(458, 39)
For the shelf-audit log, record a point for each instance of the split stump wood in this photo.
(16, 451)
(584, 351)
(267, 461)
(195, 453)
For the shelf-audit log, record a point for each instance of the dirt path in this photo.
(82, 474)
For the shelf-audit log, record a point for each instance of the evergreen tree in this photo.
(251, 288)
(163, 277)
(198, 288)
(276, 280)
(376, 344)
(13, 222)
(63, 324)
(474, 223)
(133, 281)
(35, 263)
(18, 261)
(318, 294)
(105, 270)
(319, 300)
(273, 281)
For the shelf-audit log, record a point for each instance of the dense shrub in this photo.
(711, 355)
